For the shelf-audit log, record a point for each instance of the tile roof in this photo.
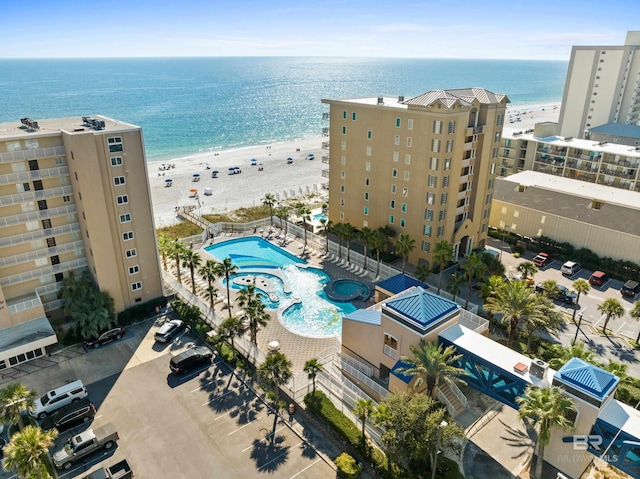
(463, 96)
(587, 377)
(421, 308)
(400, 282)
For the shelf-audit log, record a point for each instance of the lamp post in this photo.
(504, 235)
(443, 424)
(575, 338)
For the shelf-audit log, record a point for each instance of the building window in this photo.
(59, 161)
(433, 163)
(405, 192)
(367, 166)
(447, 164)
(409, 141)
(406, 176)
(442, 215)
(407, 159)
(394, 173)
(134, 269)
(115, 144)
(449, 146)
(426, 246)
(122, 200)
(119, 180)
(66, 199)
(435, 145)
(127, 236)
(485, 214)
(488, 200)
(409, 124)
(343, 145)
(493, 168)
(343, 160)
(369, 135)
(344, 114)
(440, 231)
(353, 116)
(391, 219)
(398, 122)
(428, 215)
(392, 205)
(445, 181)
(404, 207)
(390, 347)
(427, 230)
(395, 156)
(484, 227)
(431, 198)
(437, 127)
(343, 174)
(393, 189)
(344, 130)
(497, 136)
(494, 152)
(366, 210)
(342, 216)
(499, 122)
(433, 180)
(367, 181)
(136, 286)
(402, 223)
(368, 151)
(443, 199)
(490, 185)
(396, 140)
(116, 161)
(341, 201)
(125, 218)
(341, 188)
(130, 253)
(452, 127)
(366, 196)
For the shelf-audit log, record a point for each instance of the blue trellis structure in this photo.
(623, 453)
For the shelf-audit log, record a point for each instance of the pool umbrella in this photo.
(168, 182)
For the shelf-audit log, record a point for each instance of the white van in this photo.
(58, 397)
(570, 268)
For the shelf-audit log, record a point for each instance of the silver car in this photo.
(167, 331)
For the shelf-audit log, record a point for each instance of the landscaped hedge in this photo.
(141, 311)
(322, 406)
(192, 316)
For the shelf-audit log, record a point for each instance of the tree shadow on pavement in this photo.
(268, 455)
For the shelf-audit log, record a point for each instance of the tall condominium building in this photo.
(74, 197)
(602, 91)
(424, 166)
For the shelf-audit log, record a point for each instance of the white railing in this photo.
(49, 288)
(443, 399)
(21, 176)
(389, 351)
(34, 235)
(41, 253)
(37, 215)
(473, 321)
(38, 273)
(21, 155)
(35, 195)
(53, 305)
(459, 394)
(370, 383)
(357, 365)
(24, 305)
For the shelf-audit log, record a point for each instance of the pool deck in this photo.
(297, 348)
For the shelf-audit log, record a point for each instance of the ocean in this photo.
(188, 106)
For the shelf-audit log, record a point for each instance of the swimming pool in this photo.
(319, 217)
(305, 310)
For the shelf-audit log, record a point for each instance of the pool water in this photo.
(305, 310)
(346, 288)
(319, 217)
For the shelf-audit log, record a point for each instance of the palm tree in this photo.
(550, 288)
(326, 226)
(304, 213)
(226, 268)
(164, 246)
(255, 311)
(455, 283)
(383, 417)
(614, 367)
(422, 272)
(432, 363)
(580, 286)
(473, 268)
(635, 314)
(339, 230)
(513, 300)
(528, 269)
(404, 246)
(229, 329)
(275, 371)
(491, 285)
(348, 234)
(548, 408)
(209, 272)
(15, 399)
(564, 353)
(312, 367)
(442, 254)
(365, 235)
(544, 318)
(363, 409)
(611, 308)
(25, 453)
(177, 250)
(191, 259)
(269, 200)
(283, 214)
(378, 242)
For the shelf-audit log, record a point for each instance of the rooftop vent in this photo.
(93, 123)
(29, 123)
(380, 100)
(400, 98)
(539, 368)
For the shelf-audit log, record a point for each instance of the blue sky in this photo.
(431, 29)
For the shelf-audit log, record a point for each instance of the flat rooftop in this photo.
(53, 126)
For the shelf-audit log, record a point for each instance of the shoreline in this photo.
(270, 174)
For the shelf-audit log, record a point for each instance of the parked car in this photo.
(57, 398)
(167, 331)
(70, 415)
(85, 443)
(598, 278)
(106, 337)
(631, 288)
(120, 470)
(189, 359)
(570, 268)
(561, 293)
(542, 259)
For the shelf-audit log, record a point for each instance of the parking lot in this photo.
(206, 424)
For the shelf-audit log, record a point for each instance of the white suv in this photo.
(58, 397)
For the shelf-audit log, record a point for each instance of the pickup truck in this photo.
(85, 443)
(542, 259)
(120, 470)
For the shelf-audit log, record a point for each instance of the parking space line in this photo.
(242, 427)
(618, 330)
(247, 448)
(279, 455)
(300, 472)
(218, 397)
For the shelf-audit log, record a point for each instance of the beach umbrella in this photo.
(196, 174)
(311, 156)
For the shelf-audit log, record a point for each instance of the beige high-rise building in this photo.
(425, 166)
(602, 91)
(74, 197)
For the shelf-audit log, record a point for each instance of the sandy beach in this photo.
(271, 173)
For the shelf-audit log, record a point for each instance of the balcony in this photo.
(36, 154)
(326, 116)
(37, 215)
(325, 131)
(23, 176)
(389, 351)
(41, 253)
(40, 272)
(39, 234)
(35, 195)
(325, 159)
(325, 173)
(325, 145)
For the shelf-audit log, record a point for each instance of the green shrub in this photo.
(322, 406)
(141, 311)
(191, 315)
(348, 466)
